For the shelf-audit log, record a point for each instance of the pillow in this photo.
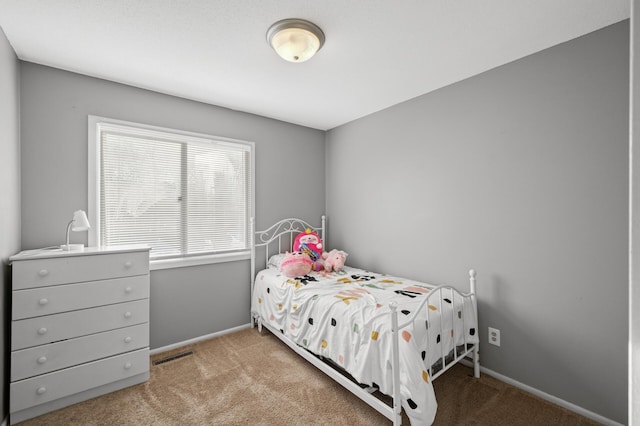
(276, 260)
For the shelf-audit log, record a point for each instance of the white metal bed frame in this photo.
(281, 235)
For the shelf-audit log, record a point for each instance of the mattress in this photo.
(345, 317)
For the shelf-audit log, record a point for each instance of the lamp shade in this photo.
(80, 221)
(295, 40)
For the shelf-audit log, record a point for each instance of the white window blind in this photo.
(183, 195)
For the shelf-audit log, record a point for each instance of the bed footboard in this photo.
(459, 303)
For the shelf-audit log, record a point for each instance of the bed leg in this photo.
(256, 320)
(476, 349)
(476, 362)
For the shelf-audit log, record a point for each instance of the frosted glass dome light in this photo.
(295, 40)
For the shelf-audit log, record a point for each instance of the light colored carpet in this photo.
(246, 378)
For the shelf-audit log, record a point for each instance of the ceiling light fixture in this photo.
(295, 40)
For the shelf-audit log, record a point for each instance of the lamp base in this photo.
(72, 247)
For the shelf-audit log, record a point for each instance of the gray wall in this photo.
(10, 199)
(185, 302)
(521, 173)
(634, 261)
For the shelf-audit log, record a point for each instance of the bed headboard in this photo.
(278, 238)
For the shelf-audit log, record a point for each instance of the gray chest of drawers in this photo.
(80, 326)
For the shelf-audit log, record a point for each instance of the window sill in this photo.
(155, 265)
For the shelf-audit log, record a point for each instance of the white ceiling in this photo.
(377, 52)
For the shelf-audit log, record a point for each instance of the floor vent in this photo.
(172, 357)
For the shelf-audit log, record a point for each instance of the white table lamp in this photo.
(78, 223)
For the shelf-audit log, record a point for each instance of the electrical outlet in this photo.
(494, 336)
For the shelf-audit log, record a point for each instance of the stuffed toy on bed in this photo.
(334, 260)
(310, 243)
(295, 264)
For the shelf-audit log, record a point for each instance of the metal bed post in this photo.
(474, 305)
(252, 231)
(453, 323)
(395, 361)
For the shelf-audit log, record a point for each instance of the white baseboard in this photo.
(197, 339)
(553, 399)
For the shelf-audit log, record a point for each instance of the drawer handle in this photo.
(43, 301)
(128, 290)
(128, 264)
(128, 339)
(43, 272)
(41, 390)
(127, 314)
(42, 330)
(127, 366)
(42, 360)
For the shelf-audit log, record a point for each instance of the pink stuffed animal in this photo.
(334, 260)
(310, 243)
(295, 264)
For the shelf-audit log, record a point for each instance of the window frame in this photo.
(93, 211)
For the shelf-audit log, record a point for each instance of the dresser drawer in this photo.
(48, 387)
(62, 298)
(41, 330)
(56, 356)
(73, 269)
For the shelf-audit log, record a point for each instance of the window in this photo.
(188, 196)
